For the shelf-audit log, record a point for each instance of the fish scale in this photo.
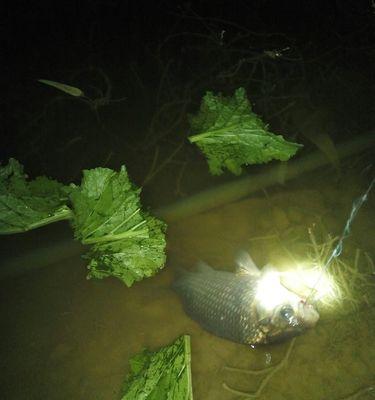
(220, 302)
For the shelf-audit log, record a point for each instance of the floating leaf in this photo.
(231, 135)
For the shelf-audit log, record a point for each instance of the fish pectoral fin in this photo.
(245, 264)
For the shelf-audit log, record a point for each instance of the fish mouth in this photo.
(284, 335)
(307, 314)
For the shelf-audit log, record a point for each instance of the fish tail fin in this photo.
(178, 281)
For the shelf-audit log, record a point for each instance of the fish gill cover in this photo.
(164, 374)
(105, 212)
(231, 135)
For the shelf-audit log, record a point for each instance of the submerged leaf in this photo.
(126, 242)
(26, 205)
(164, 374)
(231, 135)
(73, 91)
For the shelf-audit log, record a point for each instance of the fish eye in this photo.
(286, 313)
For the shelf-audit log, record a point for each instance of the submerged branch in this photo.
(269, 370)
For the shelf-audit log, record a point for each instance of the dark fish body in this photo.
(221, 302)
(226, 304)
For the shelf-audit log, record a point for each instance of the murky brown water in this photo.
(63, 337)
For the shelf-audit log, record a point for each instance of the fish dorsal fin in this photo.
(245, 264)
(203, 267)
(268, 267)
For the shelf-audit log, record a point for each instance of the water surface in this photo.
(65, 337)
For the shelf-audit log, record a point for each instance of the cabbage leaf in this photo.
(164, 374)
(29, 204)
(231, 135)
(126, 242)
(105, 212)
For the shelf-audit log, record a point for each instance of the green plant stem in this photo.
(62, 215)
(125, 221)
(120, 236)
(196, 138)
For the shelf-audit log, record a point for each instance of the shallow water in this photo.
(64, 337)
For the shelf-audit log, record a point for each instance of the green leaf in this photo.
(164, 374)
(127, 242)
(231, 135)
(26, 205)
(73, 91)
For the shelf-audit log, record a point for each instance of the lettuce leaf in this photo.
(126, 242)
(25, 204)
(231, 135)
(105, 211)
(164, 374)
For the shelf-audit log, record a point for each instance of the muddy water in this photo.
(64, 337)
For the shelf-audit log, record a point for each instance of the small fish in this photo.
(249, 306)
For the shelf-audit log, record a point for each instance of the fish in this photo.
(249, 306)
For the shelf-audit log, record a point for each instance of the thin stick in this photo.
(271, 370)
(370, 262)
(163, 164)
(153, 165)
(249, 371)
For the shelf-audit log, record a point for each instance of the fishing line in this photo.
(357, 204)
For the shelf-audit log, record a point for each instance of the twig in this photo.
(370, 262)
(178, 190)
(250, 371)
(270, 370)
(151, 174)
(153, 164)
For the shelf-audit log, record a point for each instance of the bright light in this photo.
(270, 293)
(311, 282)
